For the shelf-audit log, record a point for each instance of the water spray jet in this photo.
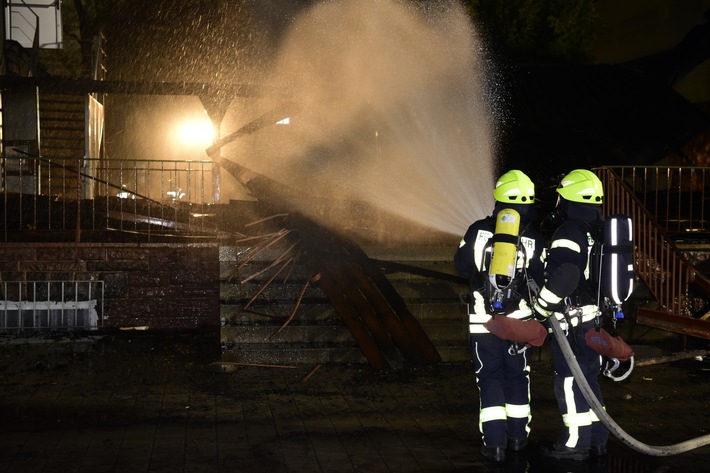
(392, 110)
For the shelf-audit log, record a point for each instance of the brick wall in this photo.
(162, 286)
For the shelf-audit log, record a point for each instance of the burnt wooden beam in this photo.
(341, 274)
(401, 337)
(393, 266)
(363, 297)
(428, 351)
(357, 327)
(673, 323)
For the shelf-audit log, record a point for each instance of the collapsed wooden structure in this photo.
(374, 313)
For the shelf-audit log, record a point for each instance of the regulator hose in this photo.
(609, 423)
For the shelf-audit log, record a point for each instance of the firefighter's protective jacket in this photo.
(472, 259)
(572, 243)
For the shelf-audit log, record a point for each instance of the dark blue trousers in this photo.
(504, 386)
(582, 427)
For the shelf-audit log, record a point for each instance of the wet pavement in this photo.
(145, 402)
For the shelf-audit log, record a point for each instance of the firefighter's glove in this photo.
(479, 305)
(547, 303)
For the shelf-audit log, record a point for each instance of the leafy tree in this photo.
(83, 22)
(197, 33)
(192, 40)
(538, 30)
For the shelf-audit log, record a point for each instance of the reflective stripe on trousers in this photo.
(517, 411)
(582, 428)
(572, 419)
(503, 382)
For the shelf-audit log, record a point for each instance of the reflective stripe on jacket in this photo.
(578, 315)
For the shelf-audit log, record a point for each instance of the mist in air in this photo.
(386, 103)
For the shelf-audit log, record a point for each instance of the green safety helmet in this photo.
(581, 185)
(514, 187)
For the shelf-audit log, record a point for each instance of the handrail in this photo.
(34, 60)
(657, 260)
(34, 57)
(674, 195)
(67, 194)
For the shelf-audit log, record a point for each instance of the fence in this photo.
(674, 196)
(51, 305)
(663, 202)
(71, 194)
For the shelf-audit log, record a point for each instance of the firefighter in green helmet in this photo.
(579, 205)
(502, 370)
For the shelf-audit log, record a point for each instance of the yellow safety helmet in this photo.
(581, 185)
(514, 187)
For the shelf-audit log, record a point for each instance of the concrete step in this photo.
(297, 330)
(418, 291)
(321, 313)
(334, 335)
(231, 292)
(290, 355)
(450, 340)
(436, 310)
(264, 344)
(316, 333)
(317, 309)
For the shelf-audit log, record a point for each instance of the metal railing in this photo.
(73, 194)
(662, 202)
(51, 305)
(675, 196)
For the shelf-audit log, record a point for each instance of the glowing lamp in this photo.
(196, 132)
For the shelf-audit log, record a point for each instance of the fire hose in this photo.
(605, 418)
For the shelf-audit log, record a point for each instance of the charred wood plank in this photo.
(355, 324)
(401, 337)
(363, 297)
(342, 275)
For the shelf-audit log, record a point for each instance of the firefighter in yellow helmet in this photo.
(579, 203)
(502, 369)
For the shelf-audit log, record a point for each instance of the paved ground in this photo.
(141, 402)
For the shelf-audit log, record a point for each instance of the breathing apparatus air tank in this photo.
(505, 250)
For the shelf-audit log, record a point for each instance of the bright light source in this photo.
(176, 195)
(285, 121)
(196, 132)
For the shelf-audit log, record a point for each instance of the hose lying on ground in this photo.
(609, 423)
